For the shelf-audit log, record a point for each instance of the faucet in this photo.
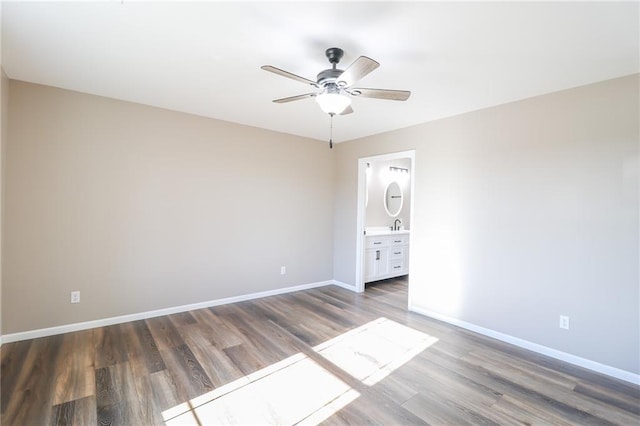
(396, 227)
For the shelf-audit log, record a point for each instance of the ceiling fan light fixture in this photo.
(333, 103)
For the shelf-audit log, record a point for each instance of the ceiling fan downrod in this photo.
(331, 132)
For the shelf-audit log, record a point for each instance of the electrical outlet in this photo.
(283, 270)
(75, 297)
(564, 322)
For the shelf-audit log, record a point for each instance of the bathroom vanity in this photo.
(386, 254)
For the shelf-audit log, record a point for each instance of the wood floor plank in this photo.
(106, 393)
(78, 412)
(141, 344)
(216, 330)
(396, 389)
(110, 347)
(144, 398)
(164, 333)
(431, 375)
(182, 319)
(311, 328)
(132, 401)
(326, 311)
(245, 359)
(165, 369)
(258, 335)
(13, 356)
(34, 389)
(63, 414)
(526, 368)
(218, 366)
(443, 411)
(165, 390)
(622, 401)
(189, 375)
(525, 413)
(373, 408)
(75, 367)
(111, 415)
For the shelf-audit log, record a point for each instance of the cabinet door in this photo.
(382, 263)
(370, 265)
(376, 264)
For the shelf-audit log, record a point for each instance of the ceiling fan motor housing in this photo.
(328, 76)
(334, 54)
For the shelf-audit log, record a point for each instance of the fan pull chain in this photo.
(331, 133)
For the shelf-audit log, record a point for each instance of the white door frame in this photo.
(362, 210)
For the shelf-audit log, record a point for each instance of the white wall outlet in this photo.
(283, 270)
(564, 322)
(75, 297)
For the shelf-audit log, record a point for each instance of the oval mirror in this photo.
(393, 199)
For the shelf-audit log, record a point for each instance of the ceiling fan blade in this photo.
(294, 98)
(358, 69)
(392, 95)
(347, 110)
(288, 74)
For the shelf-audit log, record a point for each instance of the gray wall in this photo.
(522, 212)
(141, 208)
(378, 177)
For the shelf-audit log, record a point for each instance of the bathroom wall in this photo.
(378, 177)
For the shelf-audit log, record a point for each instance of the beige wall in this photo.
(141, 208)
(522, 212)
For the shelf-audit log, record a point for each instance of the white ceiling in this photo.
(204, 58)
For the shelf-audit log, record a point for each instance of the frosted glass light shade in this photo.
(333, 103)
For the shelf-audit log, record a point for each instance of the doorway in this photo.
(385, 217)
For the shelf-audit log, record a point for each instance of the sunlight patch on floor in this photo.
(372, 351)
(299, 390)
(287, 392)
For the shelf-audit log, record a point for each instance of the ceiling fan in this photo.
(335, 87)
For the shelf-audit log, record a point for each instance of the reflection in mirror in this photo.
(393, 199)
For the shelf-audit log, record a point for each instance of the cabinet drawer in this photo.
(396, 267)
(398, 240)
(377, 242)
(396, 253)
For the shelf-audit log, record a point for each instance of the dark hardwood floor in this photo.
(318, 356)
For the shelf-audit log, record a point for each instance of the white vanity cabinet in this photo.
(386, 256)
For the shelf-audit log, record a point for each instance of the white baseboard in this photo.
(344, 285)
(553, 353)
(43, 332)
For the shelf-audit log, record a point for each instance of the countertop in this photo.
(386, 231)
